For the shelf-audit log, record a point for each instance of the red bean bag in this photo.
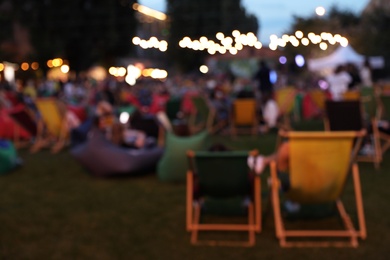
(79, 111)
(8, 127)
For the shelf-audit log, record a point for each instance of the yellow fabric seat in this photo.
(319, 164)
(244, 115)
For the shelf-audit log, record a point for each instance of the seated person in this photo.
(130, 137)
(281, 157)
(119, 134)
(270, 113)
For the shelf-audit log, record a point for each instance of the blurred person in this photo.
(29, 89)
(221, 103)
(281, 158)
(262, 77)
(338, 82)
(353, 71)
(270, 113)
(366, 74)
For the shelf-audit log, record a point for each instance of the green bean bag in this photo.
(8, 157)
(173, 165)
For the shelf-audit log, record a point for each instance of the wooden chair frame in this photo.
(193, 212)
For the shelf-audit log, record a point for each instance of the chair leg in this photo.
(194, 234)
(359, 201)
(251, 232)
(257, 204)
(276, 206)
(347, 223)
(189, 217)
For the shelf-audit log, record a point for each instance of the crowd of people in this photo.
(150, 96)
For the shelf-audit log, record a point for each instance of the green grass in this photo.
(52, 209)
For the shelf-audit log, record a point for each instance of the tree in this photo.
(82, 31)
(342, 22)
(203, 18)
(368, 33)
(374, 37)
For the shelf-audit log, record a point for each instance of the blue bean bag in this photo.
(103, 158)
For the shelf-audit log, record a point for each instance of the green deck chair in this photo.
(220, 183)
(204, 117)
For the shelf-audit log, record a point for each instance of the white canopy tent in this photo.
(340, 56)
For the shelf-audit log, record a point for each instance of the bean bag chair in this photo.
(8, 157)
(79, 111)
(8, 127)
(79, 135)
(102, 158)
(24, 119)
(173, 165)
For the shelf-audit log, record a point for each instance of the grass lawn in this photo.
(51, 208)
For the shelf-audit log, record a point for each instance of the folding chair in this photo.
(52, 125)
(204, 117)
(244, 115)
(351, 95)
(319, 163)
(313, 104)
(220, 179)
(349, 116)
(285, 98)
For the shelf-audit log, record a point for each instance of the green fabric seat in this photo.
(223, 181)
(222, 174)
(173, 165)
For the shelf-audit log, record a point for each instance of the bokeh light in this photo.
(204, 69)
(320, 11)
(299, 60)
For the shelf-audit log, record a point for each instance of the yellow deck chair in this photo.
(52, 124)
(319, 164)
(220, 183)
(351, 95)
(285, 98)
(244, 115)
(319, 97)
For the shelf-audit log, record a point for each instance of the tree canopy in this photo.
(368, 32)
(81, 31)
